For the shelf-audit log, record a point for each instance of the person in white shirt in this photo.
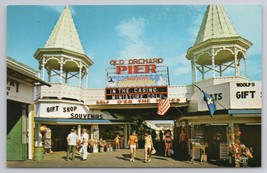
(72, 140)
(84, 142)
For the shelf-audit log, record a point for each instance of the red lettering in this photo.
(138, 68)
(130, 69)
(151, 68)
(119, 69)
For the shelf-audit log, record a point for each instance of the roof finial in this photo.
(64, 34)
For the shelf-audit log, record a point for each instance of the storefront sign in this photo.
(19, 91)
(136, 92)
(73, 115)
(246, 94)
(86, 116)
(70, 111)
(233, 95)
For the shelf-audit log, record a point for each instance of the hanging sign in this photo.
(136, 92)
(131, 81)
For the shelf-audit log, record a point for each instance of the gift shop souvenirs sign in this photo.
(50, 110)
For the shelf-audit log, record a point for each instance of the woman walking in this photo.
(148, 147)
(133, 142)
(168, 142)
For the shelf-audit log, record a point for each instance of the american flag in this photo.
(163, 106)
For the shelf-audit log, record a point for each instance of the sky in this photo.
(121, 32)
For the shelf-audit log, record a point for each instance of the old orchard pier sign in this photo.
(137, 72)
(136, 81)
(136, 66)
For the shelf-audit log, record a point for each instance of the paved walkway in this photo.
(114, 159)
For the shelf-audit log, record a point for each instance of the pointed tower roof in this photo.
(218, 46)
(215, 24)
(64, 34)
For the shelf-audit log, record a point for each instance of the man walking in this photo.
(84, 140)
(72, 140)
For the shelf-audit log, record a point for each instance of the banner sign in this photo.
(131, 81)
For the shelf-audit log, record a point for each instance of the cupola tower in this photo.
(218, 50)
(62, 60)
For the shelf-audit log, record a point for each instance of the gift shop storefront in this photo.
(237, 117)
(60, 118)
(219, 68)
(21, 81)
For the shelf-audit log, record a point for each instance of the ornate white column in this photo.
(61, 69)
(80, 74)
(194, 71)
(236, 63)
(87, 76)
(43, 69)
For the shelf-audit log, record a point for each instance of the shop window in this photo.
(109, 132)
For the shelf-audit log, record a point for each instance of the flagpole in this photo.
(220, 104)
(213, 99)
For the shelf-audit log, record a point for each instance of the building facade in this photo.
(21, 81)
(219, 67)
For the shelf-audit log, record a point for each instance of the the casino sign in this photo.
(136, 92)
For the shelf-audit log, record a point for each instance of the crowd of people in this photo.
(74, 141)
(239, 153)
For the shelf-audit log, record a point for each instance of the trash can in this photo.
(101, 149)
(38, 153)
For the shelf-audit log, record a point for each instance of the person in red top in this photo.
(183, 144)
(132, 143)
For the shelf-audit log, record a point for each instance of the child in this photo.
(117, 142)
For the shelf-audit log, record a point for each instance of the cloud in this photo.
(132, 31)
(179, 65)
